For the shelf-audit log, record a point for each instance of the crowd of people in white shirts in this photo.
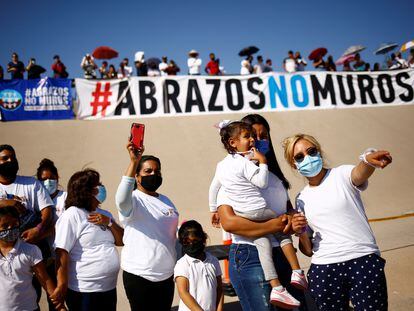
(68, 242)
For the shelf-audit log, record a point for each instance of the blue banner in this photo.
(37, 99)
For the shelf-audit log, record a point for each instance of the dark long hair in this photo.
(270, 156)
(80, 189)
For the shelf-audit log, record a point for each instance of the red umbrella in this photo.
(317, 53)
(104, 52)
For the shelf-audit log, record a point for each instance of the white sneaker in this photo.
(283, 299)
(298, 280)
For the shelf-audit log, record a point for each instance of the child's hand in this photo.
(215, 219)
(288, 226)
(258, 156)
(379, 159)
(58, 297)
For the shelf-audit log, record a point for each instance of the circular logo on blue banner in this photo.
(10, 100)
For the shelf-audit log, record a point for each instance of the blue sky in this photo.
(44, 28)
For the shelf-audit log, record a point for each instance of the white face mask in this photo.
(50, 185)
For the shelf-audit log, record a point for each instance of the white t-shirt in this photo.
(245, 67)
(34, 196)
(236, 174)
(93, 258)
(290, 65)
(194, 65)
(149, 237)
(202, 278)
(336, 215)
(59, 203)
(276, 198)
(259, 68)
(162, 66)
(16, 273)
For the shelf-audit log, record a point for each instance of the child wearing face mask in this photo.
(241, 180)
(198, 273)
(18, 262)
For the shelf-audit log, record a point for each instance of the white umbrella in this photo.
(385, 48)
(353, 50)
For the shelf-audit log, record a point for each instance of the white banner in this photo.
(195, 95)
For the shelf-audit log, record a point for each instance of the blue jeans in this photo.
(247, 278)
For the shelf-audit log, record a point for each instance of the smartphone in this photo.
(137, 135)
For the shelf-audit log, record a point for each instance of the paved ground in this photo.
(189, 148)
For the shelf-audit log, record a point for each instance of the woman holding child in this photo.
(245, 269)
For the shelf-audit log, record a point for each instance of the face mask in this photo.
(9, 169)
(50, 185)
(101, 196)
(195, 249)
(310, 166)
(262, 145)
(151, 182)
(9, 235)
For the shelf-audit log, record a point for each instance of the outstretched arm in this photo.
(370, 160)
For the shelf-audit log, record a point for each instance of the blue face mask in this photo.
(262, 145)
(310, 166)
(50, 185)
(101, 196)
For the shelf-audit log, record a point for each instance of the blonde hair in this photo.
(290, 142)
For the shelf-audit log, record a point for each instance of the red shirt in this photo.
(213, 68)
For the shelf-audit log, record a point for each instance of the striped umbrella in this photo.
(354, 49)
(407, 45)
(385, 48)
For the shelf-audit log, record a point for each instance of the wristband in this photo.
(363, 156)
(110, 223)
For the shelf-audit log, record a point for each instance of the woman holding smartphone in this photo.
(150, 220)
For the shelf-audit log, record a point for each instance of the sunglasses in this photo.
(312, 151)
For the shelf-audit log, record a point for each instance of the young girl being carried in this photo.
(241, 180)
(197, 274)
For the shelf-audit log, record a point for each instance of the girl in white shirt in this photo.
(346, 263)
(241, 180)
(198, 273)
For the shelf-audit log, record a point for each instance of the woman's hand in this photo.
(379, 159)
(215, 219)
(299, 223)
(135, 154)
(99, 219)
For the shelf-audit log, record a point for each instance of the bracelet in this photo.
(363, 156)
(110, 223)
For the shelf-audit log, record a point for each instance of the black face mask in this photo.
(195, 249)
(151, 182)
(9, 169)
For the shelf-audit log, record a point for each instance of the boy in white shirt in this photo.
(197, 274)
(18, 261)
